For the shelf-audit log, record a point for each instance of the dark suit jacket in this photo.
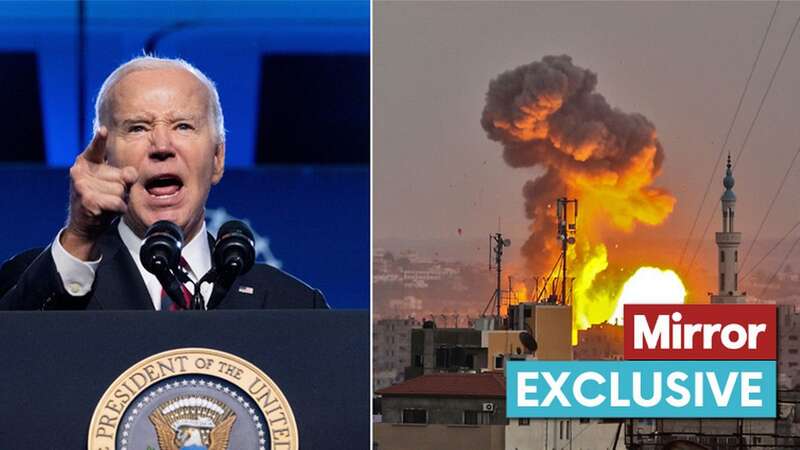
(30, 281)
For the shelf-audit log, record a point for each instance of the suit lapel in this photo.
(119, 284)
(250, 297)
(244, 294)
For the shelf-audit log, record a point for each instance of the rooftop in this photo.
(490, 384)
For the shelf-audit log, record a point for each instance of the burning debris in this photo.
(547, 115)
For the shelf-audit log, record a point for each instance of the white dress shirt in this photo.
(78, 275)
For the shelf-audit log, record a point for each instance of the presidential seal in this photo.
(193, 399)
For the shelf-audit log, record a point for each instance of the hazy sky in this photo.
(682, 65)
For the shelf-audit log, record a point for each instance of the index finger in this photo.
(96, 150)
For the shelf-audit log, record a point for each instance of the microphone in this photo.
(160, 255)
(235, 251)
(234, 255)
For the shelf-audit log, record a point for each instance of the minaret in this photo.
(728, 245)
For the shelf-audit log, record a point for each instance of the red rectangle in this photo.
(729, 330)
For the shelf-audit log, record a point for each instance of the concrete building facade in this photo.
(788, 347)
(600, 342)
(553, 332)
(500, 345)
(445, 350)
(391, 350)
(557, 434)
(391, 436)
(443, 411)
(551, 327)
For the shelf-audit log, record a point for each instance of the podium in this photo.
(57, 366)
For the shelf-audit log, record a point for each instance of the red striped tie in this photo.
(166, 301)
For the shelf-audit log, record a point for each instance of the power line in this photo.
(780, 241)
(777, 269)
(727, 135)
(747, 135)
(771, 204)
(769, 87)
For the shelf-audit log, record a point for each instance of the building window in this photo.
(721, 282)
(736, 256)
(736, 281)
(524, 421)
(470, 417)
(793, 337)
(793, 351)
(415, 416)
(477, 418)
(561, 429)
(442, 355)
(721, 256)
(498, 362)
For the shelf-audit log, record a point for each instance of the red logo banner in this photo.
(688, 332)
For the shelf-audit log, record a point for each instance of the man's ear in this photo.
(219, 163)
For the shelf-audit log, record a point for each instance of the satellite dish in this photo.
(528, 341)
(507, 242)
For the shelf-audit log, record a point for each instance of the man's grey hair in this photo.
(140, 63)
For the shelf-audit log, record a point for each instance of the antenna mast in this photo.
(566, 234)
(496, 246)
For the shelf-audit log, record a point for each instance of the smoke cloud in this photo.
(547, 115)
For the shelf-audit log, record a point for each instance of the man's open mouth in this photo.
(164, 186)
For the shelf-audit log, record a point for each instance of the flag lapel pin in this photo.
(246, 290)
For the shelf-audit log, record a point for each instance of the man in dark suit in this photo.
(158, 147)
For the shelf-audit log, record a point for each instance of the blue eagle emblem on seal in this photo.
(193, 423)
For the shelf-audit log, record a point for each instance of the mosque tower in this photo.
(728, 245)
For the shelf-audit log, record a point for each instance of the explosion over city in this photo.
(548, 118)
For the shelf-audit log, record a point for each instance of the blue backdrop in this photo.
(225, 39)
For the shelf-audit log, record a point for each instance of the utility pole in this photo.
(566, 234)
(496, 246)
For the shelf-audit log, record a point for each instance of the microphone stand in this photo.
(222, 281)
(172, 286)
(197, 302)
(217, 293)
(197, 299)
